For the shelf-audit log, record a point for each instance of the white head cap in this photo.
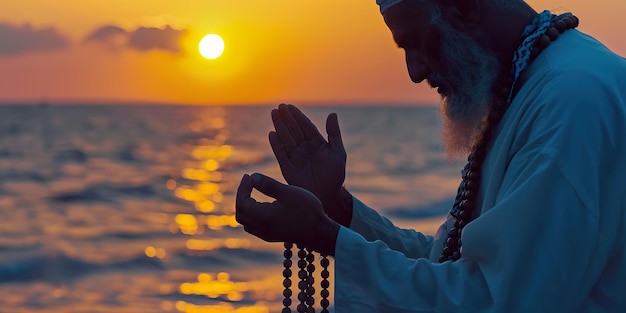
(386, 4)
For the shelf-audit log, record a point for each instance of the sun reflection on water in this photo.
(201, 183)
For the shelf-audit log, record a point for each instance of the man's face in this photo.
(450, 60)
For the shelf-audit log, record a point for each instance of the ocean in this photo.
(129, 208)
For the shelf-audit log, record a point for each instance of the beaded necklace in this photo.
(544, 29)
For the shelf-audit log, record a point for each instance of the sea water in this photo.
(112, 208)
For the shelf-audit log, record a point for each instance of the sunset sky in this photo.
(276, 51)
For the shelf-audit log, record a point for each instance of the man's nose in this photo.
(418, 70)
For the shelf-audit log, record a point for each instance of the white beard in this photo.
(472, 71)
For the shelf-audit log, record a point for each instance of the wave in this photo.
(434, 209)
(58, 267)
(104, 193)
(73, 155)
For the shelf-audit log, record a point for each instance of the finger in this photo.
(268, 186)
(308, 128)
(291, 123)
(334, 134)
(277, 147)
(243, 201)
(245, 188)
(283, 132)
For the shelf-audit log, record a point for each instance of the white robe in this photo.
(551, 236)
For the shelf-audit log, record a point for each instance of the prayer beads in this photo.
(464, 207)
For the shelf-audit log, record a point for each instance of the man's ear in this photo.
(462, 14)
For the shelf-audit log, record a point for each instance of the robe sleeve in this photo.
(372, 226)
(527, 254)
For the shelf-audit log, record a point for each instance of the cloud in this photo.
(105, 33)
(142, 38)
(16, 40)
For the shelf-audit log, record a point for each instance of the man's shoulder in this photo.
(577, 74)
(576, 56)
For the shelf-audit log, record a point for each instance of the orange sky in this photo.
(276, 50)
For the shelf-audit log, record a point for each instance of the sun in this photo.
(211, 46)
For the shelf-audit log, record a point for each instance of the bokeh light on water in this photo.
(128, 209)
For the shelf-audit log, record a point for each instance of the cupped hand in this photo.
(305, 158)
(296, 215)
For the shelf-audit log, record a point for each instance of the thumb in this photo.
(334, 134)
(268, 186)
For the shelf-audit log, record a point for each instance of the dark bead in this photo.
(325, 284)
(325, 274)
(453, 233)
(560, 26)
(467, 166)
(543, 41)
(310, 301)
(451, 243)
(569, 22)
(446, 251)
(467, 194)
(287, 293)
(302, 274)
(310, 257)
(469, 185)
(310, 280)
(287, 254)
(466, 215)
(325, 303)
(466, 174)
(286, 302)
(467, 205)
(324, 293)
(302, 263)
(310, 290)
(459, 224)
(443, 258)
(310, 268)
(553, 33)
(474, 166)
(302, 253)
(286, 282)
(302, 296)
(287, 272)
(471, 157)
(310, 309)
(286, 310)
(302, 285)
(301, 308)
(288, 245)
(576, 21)
(456, 255)
(324, 262)
(287, 263)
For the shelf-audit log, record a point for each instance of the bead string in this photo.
(324, 303)
(463, 210)
(287, 275)
(305, 285)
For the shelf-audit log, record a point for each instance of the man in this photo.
(539, 224)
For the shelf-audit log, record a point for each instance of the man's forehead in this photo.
(386, 4)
